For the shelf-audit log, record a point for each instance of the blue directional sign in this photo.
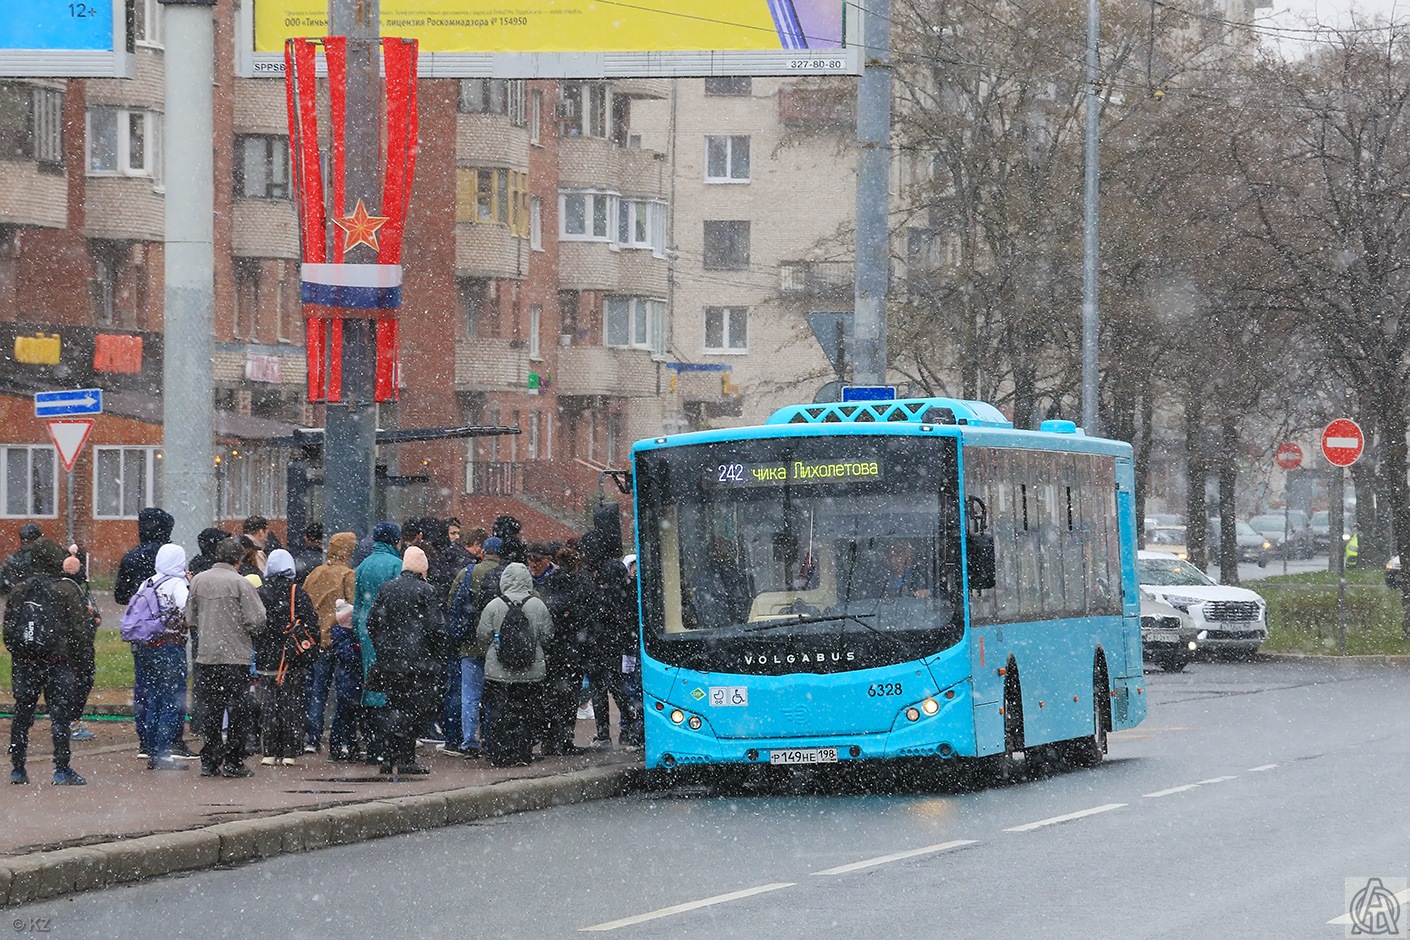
(78, 401)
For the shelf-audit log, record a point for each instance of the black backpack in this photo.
(32, 628)
(515, 641)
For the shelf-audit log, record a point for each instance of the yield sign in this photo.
(69, 437)
(1342, 442)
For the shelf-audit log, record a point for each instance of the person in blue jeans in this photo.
(159, 693)
(347, 687)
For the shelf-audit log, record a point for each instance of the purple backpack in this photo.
(144, 620)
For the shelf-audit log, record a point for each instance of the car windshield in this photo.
(1319, 517)
(1171, 535)
(1170, 573)
(1266, 522)
(1243, 528)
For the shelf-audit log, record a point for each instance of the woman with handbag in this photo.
(283, 652)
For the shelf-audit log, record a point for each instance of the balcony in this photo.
(265, 228)
(640, 273)
(591, 162)
(491, 365)
(829, 108)
(31, 194)
(123, 208)
(588, 266)
(494, 478)
(643, 173)
(491, 140)
(488, 249)
(606, 372)
(642, 87)
(816, 279)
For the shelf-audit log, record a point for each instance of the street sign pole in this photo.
(1342, 443)
(1341, 569)
(68, 508)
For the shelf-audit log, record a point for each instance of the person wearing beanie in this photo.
(16, 568)
(47, 671)
(407, 629)
(379, 567)
(328, 583)
(282, 678)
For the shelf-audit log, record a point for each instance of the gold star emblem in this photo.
(360, 228)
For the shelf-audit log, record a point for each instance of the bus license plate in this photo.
(804, 755)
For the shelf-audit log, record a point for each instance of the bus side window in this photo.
(980, 548)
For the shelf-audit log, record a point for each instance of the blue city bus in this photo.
(885, 579)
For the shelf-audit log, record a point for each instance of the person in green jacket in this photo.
(383, 565)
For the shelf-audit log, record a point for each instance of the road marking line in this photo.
(895, 857)
(1160, 793)
(688, 906)
(1343, 920)
(1261, 768)
(1214, 780)
(1026, 827)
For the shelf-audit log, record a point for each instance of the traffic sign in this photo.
(1342, 442)
(76, 401)
(69, 437)
(1289, 456)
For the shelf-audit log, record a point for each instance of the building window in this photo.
(726, 329)
(262, 166)
(31, 123)
(474, 295)
(251, 482)
(28, 484)
(533, 436)
(245, 319)
(585, 109)
(147, 22)
(535, 116)
(635, 323)
(726, 246)
(727, 159)
(641, 223)
(582, 216)
(536, 223)
(118, 142)
(535, 325)
(104, 290)
(493, 96)
(729, 86)
(125, 479)
(493, 196)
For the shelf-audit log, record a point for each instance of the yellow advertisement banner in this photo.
(568, 26)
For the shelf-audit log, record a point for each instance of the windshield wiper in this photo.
(859, 619)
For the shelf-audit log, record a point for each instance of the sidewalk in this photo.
(130, 823)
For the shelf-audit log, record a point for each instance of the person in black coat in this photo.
(282, 677)
(568, 596)
(153, 531)
(407, 626)
(610, 616)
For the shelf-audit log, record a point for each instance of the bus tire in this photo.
(1089, 751)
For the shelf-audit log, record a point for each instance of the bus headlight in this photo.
(694, 722)
(677, 716)
(913, 713)
(930, 706)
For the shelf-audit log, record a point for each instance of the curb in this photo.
(1374, 660)
(44, 875)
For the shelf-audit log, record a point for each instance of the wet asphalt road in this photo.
(1238, 809)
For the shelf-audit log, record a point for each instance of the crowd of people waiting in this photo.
(477, 641)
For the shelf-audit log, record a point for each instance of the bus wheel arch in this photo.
(1090, 750)
(1013, 709)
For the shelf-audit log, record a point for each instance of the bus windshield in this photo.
(811, 541)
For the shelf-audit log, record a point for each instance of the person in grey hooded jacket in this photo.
(513, 698)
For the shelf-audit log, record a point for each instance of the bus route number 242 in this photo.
(880, 689)
(731, 473)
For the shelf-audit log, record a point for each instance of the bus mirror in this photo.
(981, 561)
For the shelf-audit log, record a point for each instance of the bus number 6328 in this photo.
(879, 689)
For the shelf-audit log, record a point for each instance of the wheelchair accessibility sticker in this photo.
(727, 696)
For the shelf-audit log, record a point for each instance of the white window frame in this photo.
(728, 316)
(591, 200)
(644, 319)
(148, 28)
(518, 103)
(536, 223)
(535, 117)
(532, 448)
(151, 480)
(123, 126)
(35, 454)
(272, 159)
(637, 215)
(535, 328)
(589, 109)
(731, 146)
(47, 126)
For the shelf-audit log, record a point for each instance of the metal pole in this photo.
(68, 510)
(1341, 567)
(873, 274)
(1090, 412)
(351, 435)
(188, 400)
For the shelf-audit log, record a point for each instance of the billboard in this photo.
(63, 38)
(587, 38)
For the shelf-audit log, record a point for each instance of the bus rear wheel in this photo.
(1089, 751)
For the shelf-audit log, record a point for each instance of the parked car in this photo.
(1232, 618)
(1163, 518)
(1274, 526)
(1168, 540)
(1252, 544)
(1393, 576)
(1169, 637)
(1321, 526)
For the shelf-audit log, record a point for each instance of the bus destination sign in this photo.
(781, 473)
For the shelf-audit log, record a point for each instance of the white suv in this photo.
(1231, 618)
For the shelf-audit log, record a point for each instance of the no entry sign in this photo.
(1342, 442)
(1289, 456)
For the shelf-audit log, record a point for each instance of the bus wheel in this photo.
(1089, 751)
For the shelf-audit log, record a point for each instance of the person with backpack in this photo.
(155, 625)
(407, 626)
(154, 527)
(284, 650)
(16, 568)
(82, 658)
(382, 564)
(43, 623)
(516, 625)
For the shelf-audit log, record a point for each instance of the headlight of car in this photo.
(1181, 603)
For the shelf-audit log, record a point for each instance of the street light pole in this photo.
(1090, 332)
